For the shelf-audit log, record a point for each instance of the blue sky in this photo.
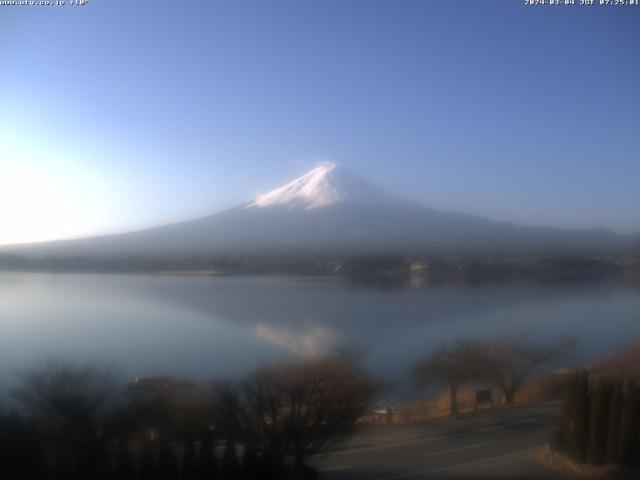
(120, 115)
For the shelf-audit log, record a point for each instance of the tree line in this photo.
(80, 422)
(505, 362)
(600, 421)
(83, 422)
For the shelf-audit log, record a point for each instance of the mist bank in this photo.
(335, 230)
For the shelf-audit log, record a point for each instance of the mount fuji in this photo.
(323, 186)
(330, 210)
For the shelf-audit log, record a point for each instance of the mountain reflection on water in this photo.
(226, 326)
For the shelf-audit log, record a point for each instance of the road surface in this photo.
(491, 444)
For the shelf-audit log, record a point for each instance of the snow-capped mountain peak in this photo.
(325, 185)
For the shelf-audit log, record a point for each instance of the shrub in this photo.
(628, 430)
(600, 397)
(615, 418)
(579, 419)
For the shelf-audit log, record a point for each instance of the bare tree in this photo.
(70, 399)
(451, 366)
(173, 406)
(80, 406)
(299, 410)
(71, 404)
(509, 360)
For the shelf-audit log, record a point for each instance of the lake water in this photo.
(226, 326)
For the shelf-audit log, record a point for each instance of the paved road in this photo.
(497, 444)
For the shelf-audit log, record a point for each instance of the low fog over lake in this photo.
(226, 326)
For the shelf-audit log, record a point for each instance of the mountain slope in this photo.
(329, 210)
